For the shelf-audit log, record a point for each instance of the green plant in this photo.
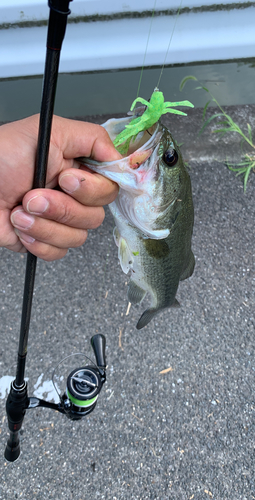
(227, 124)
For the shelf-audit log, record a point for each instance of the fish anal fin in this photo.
(135, 293)
(176, 304)
(188, 271)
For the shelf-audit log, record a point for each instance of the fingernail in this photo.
(37, 205)
(22, 220)
(24, 237)
(69, 183)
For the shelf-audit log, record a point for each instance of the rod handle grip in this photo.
(12, 449)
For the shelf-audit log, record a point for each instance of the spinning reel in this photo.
(83, 386)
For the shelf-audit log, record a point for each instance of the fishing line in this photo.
(168, 48)
(141, 75)
(162, 69)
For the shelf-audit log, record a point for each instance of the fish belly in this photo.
(156, 267)
(162, 271)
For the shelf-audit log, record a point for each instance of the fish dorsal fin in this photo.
(135, 293)
(188, 271)
(125, 256)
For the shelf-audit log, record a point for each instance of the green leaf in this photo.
(243, 168)
(224, 122)
(240, 167)
(201, 88)
(246, 178)
(184, 81)
(249, 131)
(205, 108)
(209, 120)
(227, 124)
(215, 100)
(238, 170)
(220, 130)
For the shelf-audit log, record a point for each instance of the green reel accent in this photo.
(81, 403)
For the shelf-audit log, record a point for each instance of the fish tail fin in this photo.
(146, 317)
(149, 314)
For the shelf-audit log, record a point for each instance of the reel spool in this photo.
(82, 389)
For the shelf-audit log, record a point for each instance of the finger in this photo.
(79, 138)
(87, 187)
(17, 247)
(30, 228)
(8, 238)
(42, 250)
(62, 208)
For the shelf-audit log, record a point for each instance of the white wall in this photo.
(200, 34)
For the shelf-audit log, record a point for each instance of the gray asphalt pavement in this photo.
(185, 434)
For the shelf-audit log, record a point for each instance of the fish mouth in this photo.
(130, 172)
(143, 140)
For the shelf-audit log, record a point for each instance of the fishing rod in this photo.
(84, 383)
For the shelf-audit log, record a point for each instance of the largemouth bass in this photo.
(153, 214)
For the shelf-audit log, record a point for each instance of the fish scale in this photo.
(153, 214)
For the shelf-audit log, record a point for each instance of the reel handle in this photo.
(98, 343)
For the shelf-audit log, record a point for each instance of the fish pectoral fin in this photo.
(135, 293)
(188, 271)
(125, 256)
(116, 236)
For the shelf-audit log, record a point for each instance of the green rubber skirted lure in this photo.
(155, 109)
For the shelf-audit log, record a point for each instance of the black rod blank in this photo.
(17, 401)
(47, 106)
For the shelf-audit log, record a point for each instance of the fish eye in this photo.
(170, 157)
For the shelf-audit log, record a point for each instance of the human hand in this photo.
(45, 221)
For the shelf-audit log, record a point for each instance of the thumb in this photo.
(76, 138)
